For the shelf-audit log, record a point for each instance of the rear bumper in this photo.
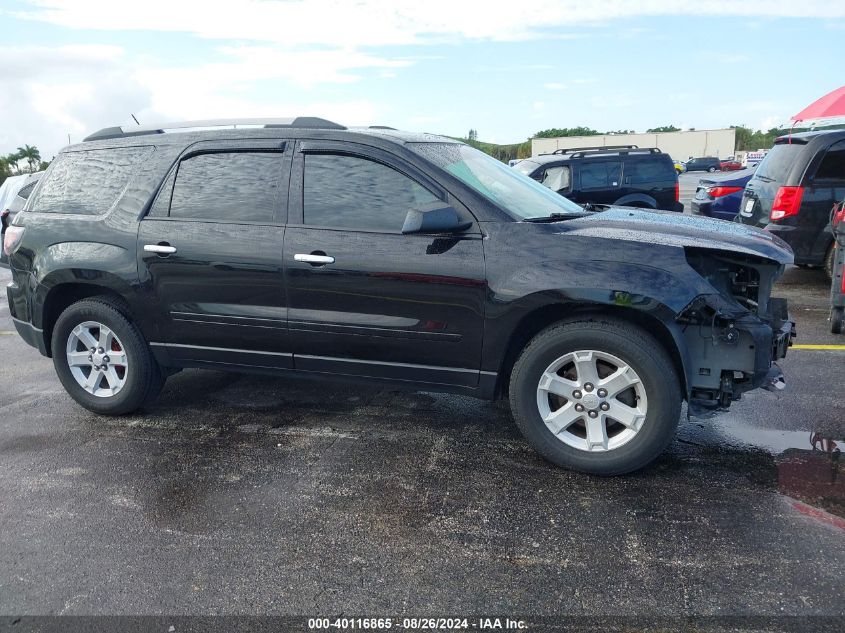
(21, 315)
(31, 335)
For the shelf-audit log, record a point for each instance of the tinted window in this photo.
(776, 164)
(26, 191)
(639, 172)
(356, 193)
(832, 166)
(235, 186)
(88, 182)
(600, 175)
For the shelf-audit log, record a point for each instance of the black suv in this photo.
(706, 163)
(411, 260)
(793, 191)
(620, 175)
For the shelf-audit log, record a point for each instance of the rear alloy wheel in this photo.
(102, 359)
(711, 169)
(599, 396)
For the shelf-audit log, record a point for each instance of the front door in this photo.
(210, 255)
(363, 298)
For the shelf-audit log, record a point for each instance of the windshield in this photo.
(514, 192)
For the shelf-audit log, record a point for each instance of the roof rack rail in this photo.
(380, 127)
(595, 147)
(306, 122)
(581, 153)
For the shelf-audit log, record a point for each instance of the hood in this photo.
(674, 229)
(737, 178)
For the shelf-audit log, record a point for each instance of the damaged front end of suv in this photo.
(734, 336)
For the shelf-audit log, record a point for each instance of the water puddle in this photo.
(809, 464)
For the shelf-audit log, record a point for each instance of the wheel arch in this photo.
(639, 200)
(542, 317)
(59, 296)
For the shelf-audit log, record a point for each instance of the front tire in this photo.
(102, 359)
(599, 396)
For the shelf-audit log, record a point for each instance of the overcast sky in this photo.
(505, 68)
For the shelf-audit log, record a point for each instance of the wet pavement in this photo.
(242, 494)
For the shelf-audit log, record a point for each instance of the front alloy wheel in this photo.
(592, 400)
(597, 394)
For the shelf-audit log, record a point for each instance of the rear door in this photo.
(210, 255)
(365, 299)
(600, 181)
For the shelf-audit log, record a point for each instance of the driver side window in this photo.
(353, 193)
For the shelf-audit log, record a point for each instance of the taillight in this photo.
(718, 192)
(787, 202)
(12, 238)
(677, 191)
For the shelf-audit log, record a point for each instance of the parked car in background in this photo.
(707, 163)
(729, 164)
(305, 248)
(793, 191)
(623, 175)
(720, 196)
(13, 195)
(680, 167)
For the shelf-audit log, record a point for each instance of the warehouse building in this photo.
(679, 145)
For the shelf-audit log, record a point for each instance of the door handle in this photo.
(161, 249)
(311, 258)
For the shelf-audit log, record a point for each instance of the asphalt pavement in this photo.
(237, 494)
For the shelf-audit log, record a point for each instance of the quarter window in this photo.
(88, 182)
(348, 192)
(227, 186)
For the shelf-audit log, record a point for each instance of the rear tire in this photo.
(711, 169)
(828, 261)
(132, 378)
(837, 320)
(599, 343)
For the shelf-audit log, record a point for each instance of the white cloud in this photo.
(360, 23)
(553, 85)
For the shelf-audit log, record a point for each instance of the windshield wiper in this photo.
(552, 217)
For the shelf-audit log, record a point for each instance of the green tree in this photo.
(472, 135)
(664, 128)
(566, 131)
(31, 155)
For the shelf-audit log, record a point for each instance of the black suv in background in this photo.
(620, 175)
(706, 163)
(303, 247)
(793, 191)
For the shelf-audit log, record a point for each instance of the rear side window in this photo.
(832, 166)
(227, 186)
(600, 175)
(776, 164)
(348, 192)
(88, 182)
(642, 172)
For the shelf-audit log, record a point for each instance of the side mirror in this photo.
(434, 219)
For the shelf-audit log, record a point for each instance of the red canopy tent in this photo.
(830, 106)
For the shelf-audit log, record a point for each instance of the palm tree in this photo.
(31, 154)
